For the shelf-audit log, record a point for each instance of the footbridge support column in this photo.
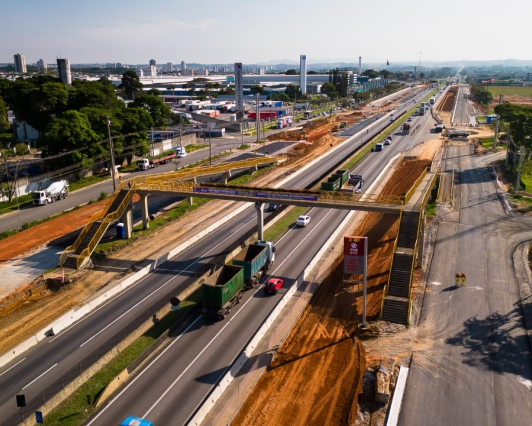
(420, 243)
(260, 220)
(145, 211)
(128, 221)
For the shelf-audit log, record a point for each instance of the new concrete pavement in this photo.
(472, 363)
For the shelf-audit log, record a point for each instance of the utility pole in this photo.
(496, 132)
(257, 108)
(210, 147)
(112, 152)
(518, 181)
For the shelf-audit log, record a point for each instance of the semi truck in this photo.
(256, 259)
(284, 122)
(432, 100)
(406, 128)
(54, 192)
(222, 290)
(150, 163)
(356, 181)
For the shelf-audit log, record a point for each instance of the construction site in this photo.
(318, 372)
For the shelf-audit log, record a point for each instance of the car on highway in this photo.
(303, 220)
(272, 207)
(135, 421)
(388, 140)
(409, 119)
(273, 285)
(378, 147)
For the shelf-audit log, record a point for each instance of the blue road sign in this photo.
(38, 417)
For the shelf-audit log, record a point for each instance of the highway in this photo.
(472, 360)
(463, 108)
(206, 350)
(43, 365)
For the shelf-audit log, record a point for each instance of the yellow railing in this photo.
(416, 184)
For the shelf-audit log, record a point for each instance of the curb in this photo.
(523, 276)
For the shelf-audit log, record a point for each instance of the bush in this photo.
(21, 149)
(103, 196)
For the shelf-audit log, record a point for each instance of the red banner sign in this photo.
(355, 255)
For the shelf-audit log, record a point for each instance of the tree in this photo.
(312, 73)
(131, 84)
(385, 73)
(97, 94)
(371, 73)
(159, 112)
(72, 132)
(519, 117)
(154, 92)
(293, 92)
(330, 90)
(257, 89)
(280, 97)
(138, 121)
(227, 91)
(10, 175)
(4, 123)
(292, 72)
(481, 95)
(421, 75)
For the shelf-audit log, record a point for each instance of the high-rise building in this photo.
(183, 66)
(119, 65)
(152, 71)
(153, 62)
(20, 63)
(63, 69)
(202, 71)
(215, 69)
(225, 69)
(41, 66)
(262, 71)
(239, 87)
(140, 72)
(168, 67)
(303, 74)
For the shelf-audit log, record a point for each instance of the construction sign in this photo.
(355, 255)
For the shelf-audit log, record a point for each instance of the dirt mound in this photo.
(318, 371)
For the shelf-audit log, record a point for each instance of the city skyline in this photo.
(206, 31)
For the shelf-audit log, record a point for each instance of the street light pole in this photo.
(111, 149)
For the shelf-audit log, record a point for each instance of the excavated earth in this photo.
(317, 374)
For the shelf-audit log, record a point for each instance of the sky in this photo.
(259, 31)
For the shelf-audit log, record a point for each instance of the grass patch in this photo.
(278, 228)
(195, 147)
(75, 409)
(486, 142)
(242, 147)
(82, 183)
(249, 175)
(173, 214)
(510, 90)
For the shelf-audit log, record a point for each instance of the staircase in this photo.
(396, 304)
(75, 256)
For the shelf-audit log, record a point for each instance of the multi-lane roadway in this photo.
(198, 363)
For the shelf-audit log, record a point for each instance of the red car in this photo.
(273, 285)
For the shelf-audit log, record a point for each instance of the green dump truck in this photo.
(222, 290)
(256, 259)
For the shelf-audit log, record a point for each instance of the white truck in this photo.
(54, 192)
(432, 100)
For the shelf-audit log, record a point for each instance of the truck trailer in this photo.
(256, 259)
(406, 128)
(150, 163)
(222, 290)
(357, 182)
(54, 192)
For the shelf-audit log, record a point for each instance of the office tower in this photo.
(63, 69)
(20, 63)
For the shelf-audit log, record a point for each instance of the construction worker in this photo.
(458, 275)
(463, 278)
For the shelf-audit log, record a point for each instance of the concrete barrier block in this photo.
(17, 350)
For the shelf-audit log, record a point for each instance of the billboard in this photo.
(355, 255)
(255, 194)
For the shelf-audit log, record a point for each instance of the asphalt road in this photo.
(44, 365)
(207, 350)
(472, 359)
(463, 107)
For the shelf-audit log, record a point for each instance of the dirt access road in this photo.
(317, 373)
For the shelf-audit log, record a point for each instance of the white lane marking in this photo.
(13, 366)
(143, 371)
(163, 285)
(435, 283)
(34, 380)
(227, 324)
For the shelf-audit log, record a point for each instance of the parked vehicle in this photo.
(222, 290)
(303, 220)
(256, 259)
(307, 114)
(356, 181)
(54, 192)
(150, 163)
(273, 285)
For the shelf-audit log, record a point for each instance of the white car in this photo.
(303, 220)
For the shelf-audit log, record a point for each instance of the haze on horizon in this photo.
(249, 31)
